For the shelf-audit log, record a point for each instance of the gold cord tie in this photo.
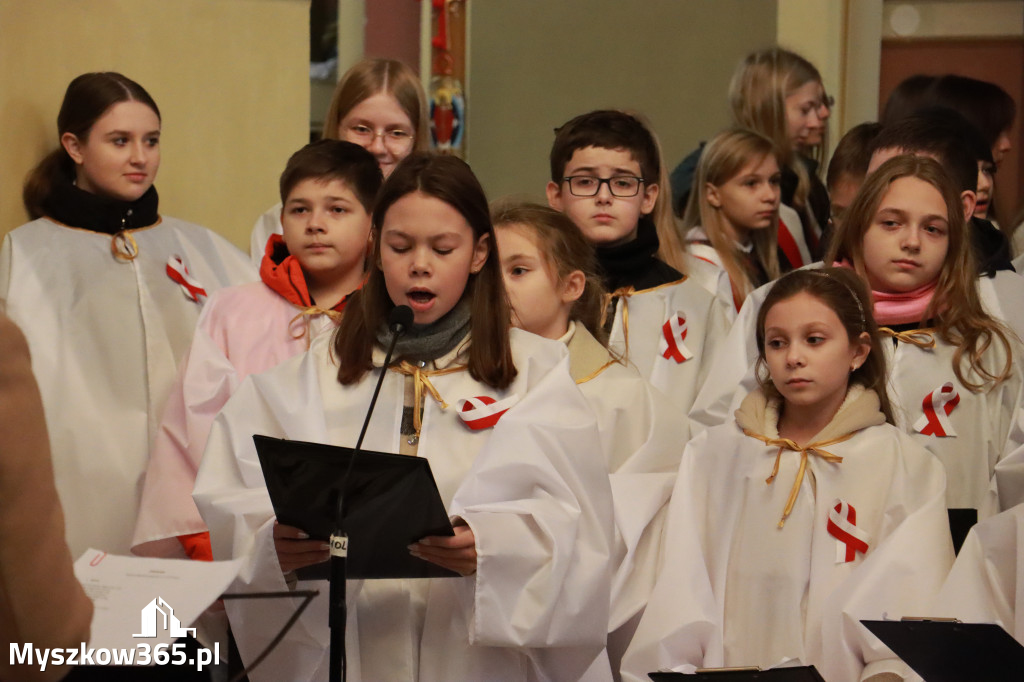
(922, 338)
(624, 293)
(813, 448)
(421, 382)
(123, 246)
(308, 312)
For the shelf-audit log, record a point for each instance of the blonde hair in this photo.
(723, 158)
(564, 250)
(370, 77)
(757, 95)
(956, 304)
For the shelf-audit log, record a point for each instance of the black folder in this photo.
(391, 501)
(804, 673)
(948, 651)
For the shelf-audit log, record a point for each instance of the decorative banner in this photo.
(177, 271)
(937, 407)
(842, 525)
(483, 412)
(673, 333)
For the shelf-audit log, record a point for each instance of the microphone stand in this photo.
(399, 322)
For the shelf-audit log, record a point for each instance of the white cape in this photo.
(532, 491)
(734, 589)
(106, 337)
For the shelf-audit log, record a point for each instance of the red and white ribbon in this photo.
(937, 407)
(177, 271)
(483, 412)
(842, 525)
(673, 333)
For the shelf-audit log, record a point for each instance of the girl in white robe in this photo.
(327, 189)
(378, 104)
(107, 292)
(550, 274)
(761, 571)
(732, 220)
(530, 503)
(955, 387)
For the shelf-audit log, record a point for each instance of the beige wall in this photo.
(230, 76)
(536, 63)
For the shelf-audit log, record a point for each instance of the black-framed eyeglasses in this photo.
(621, 186)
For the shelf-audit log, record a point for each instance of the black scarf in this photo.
(75, 207)
(633, 263)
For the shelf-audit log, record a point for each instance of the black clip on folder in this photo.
(391, 501)
(950, 651)
(806, 673)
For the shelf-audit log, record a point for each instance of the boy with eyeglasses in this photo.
(605, 175)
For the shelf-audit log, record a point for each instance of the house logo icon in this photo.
(158, 615)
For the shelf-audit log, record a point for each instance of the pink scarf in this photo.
(907, 307)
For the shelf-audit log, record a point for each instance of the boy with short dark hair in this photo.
(327, 191)
(606, 175)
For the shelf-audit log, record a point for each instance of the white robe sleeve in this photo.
(206, 380)
(537, 501)
(986, 585)
(231, 495)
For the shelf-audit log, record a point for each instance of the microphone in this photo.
(399, 321)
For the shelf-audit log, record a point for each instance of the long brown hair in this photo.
(450, 180)
(564, 250)
(87, 98)
(956, 304)
(723, 158)
(847, 295)
(370, 77)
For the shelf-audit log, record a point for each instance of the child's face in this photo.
(121, 154)
(427, 255)
(604, 219)
(750, 199)
(806, 113)
(986, 171)
(540, 303)
(906, 244)
(327, 229)
(809, 354)
(379, 124)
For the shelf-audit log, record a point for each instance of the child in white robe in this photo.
(107, 292)
(732, 220)
(509, 438)
(327, 193)
(955, 388)
(607, 176)
(549, 271)
(760, 571)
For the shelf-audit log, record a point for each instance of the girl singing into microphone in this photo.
(508, 437)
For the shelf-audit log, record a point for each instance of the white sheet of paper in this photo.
(141, 600)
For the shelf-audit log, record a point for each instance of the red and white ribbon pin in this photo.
(937, 407)
(177, 271)
(673, 333)
(850, 539)
(483, 412)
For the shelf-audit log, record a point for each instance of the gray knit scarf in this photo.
(430, 341)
